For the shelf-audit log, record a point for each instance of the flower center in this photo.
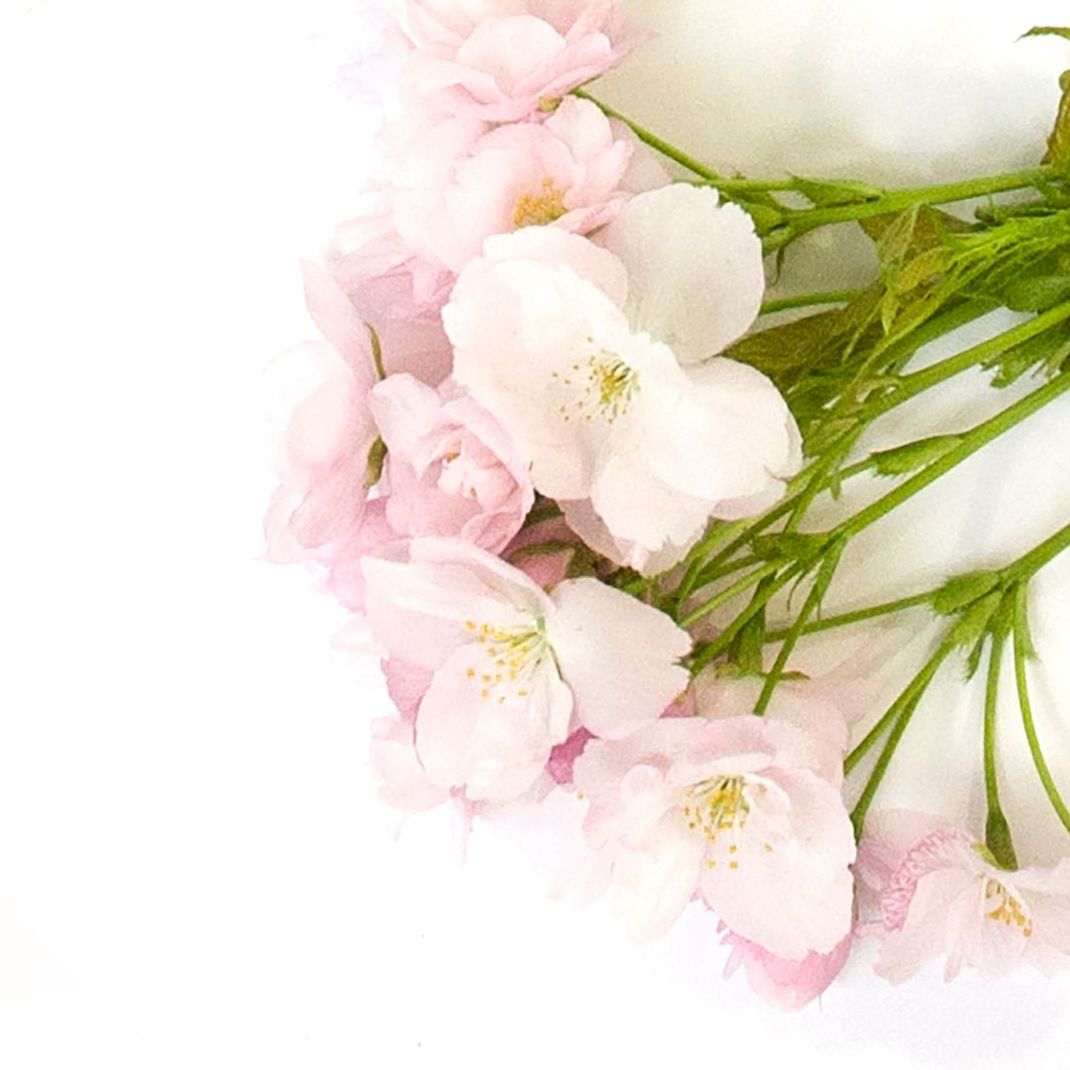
(600, 385)
(1001, 906)
(718, 808)
(538, 209)
(504, 659)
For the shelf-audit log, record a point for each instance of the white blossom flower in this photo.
(596, 358)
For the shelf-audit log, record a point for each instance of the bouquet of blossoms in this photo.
(566, 470)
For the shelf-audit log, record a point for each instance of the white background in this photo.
(193, 871)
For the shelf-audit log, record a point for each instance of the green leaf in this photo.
(765, 216)
(1047, 31)
(1059, 139)
(1037, 294)
(787, 546)
(1045, 353)
(902, 460)
(827, 194)
(749, 645)
(961, 591)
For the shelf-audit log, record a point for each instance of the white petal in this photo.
(522, 332)
(652, 886)
(560, 248)
(638, 507)
(694, 266)
(619, 656)
(729, 436)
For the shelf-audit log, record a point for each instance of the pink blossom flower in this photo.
(786, 983)
(730, 810)
(450, 469)
(321, 498)
(502, 60)
(568, 171)
(929, 890)
(513, 671)
(611, 390)
(395, 291)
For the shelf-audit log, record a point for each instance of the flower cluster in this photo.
(525, 408)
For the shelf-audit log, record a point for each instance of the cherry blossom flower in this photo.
(731, 810)
(513, 671)
(320, 502)
(450, 469)
(930, 891)
(607, 385)
(504, 59)
(394, 290)
(569, 171)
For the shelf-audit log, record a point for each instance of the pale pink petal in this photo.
(493, 741)
(786, 983)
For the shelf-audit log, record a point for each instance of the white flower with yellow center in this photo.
(513, 670)
(601, 361)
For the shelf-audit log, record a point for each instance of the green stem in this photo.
(824, 577)
(857, 616)
(798, 221)
(972, 441)
(807, 484)
(997, 831)
(1021, 654)
(832, 297)
(730, 592)
(909, 386)
(915, 688)
(901, 712)
(1037, 558)
(694, 559)
(762, 597)
(809, 218)
(658, 144)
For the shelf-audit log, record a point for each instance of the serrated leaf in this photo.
(1059, 139)
(826, 194)
(1046, 353)
(927, 267)
(960, 591)
(1048, 31)
(787, 545)
(914, 455)
(1037, 294)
